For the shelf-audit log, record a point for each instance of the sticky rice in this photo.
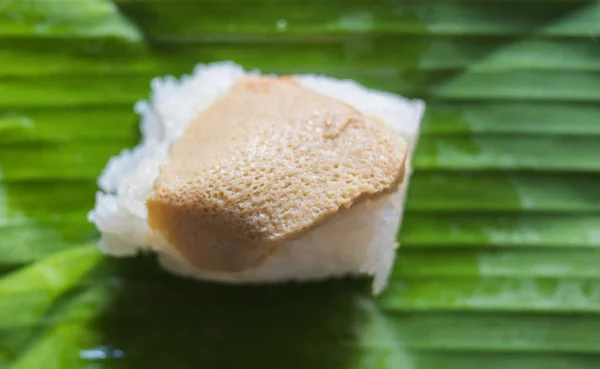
(357, 238)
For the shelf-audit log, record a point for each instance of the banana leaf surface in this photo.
(500, 259)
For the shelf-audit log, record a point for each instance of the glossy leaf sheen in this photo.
(498, 265)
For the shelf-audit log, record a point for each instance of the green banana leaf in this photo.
(499, 263)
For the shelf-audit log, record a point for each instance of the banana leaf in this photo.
(500, 245)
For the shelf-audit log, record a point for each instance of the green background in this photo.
(500, 258)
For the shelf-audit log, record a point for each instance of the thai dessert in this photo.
(248, 178)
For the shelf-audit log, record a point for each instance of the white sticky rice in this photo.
(360, 240)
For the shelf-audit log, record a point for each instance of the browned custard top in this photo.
(265, 162)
